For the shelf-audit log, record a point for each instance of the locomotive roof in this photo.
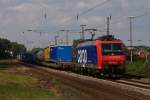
(86, 43)
(90, 43)
(102, 39)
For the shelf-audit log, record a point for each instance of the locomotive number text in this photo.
(82, 56)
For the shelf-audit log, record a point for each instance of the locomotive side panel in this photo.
(87, 55)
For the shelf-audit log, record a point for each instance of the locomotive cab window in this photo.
(117, 49)
(112, 49)
(106, 49)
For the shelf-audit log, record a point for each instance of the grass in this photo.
(4, 66)
(21, 87)
(14, 91)
(139, 67)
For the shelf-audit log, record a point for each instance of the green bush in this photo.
(138, 67)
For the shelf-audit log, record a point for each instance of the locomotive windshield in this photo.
(112, 49)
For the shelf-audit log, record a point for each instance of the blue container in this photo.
(53, 53)
(61, 54)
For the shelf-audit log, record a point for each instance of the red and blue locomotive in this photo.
(106, 55)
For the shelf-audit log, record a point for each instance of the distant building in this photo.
(139, 51)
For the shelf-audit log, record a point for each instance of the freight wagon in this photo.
(46, 54)
(28, 57)
(61, 54)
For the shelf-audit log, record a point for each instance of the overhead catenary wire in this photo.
(92, 8)
(119, 19)
(45, 15)
(142, 15)
(99, 5)
(83, 13)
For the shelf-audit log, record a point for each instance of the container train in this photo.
(105, 56)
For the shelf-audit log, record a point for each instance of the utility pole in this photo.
(67, 39)
(56, 37)
(146, 56)
(82, 32)
(108, 24)
(131, 39)
(67, 36)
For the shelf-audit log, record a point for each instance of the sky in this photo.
(47, 17)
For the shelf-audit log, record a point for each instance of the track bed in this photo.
(93, 88)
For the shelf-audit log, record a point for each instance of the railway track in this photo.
(137, 75)
(134, 83)
(134, 80)
(97, 88)
(137, 81)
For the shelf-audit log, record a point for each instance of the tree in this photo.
(4, 48)
(17, 48)
(10, 49)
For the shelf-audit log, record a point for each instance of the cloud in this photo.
(19, 15)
